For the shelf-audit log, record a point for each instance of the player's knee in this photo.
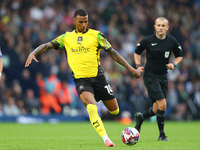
(116, 112)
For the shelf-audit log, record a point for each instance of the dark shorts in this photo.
(157, 86)
(96, 85)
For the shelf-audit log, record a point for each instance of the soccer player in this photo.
(159, 47)
(83, 47)
(1, 64)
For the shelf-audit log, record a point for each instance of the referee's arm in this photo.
(137, 62)
(137, 59)
(177, 60)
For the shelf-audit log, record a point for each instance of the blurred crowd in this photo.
(47, 87)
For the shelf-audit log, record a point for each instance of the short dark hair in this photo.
(80, 12)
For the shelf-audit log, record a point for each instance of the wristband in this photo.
(175, 64)
(0, 74)
(138, 65)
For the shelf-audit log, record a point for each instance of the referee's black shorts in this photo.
(157, 86)
(96, 85)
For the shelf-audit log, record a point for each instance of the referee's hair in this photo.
(80, 12)
(162, 19)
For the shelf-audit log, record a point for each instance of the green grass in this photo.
(81, 135)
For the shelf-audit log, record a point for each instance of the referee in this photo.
(159, 47)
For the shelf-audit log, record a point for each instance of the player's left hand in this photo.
(170, 66)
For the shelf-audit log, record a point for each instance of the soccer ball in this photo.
(130, 136)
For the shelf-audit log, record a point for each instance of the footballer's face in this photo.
(81, 23)
(161, 26)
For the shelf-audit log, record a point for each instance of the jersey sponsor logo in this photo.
(80, 40)
(80, 50)
(153, 44)
(180, 48)
(166, 54)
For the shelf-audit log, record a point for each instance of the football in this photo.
(130, 136)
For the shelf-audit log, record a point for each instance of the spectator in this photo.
(63, 95)
(10, 108)
(182, 104)
(1, 109)
(172, 100)
(32, 103)
(49, 104)
(1, 64)
(52, 83)
(20, 105)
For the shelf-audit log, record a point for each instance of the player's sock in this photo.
(105, 137)
(116, 112)
(161, 121)
(148, 114)
(107, 141)
(141, 117)
(95, 119)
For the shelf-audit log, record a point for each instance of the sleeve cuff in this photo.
(109, 49)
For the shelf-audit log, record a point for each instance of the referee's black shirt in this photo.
(158, 52)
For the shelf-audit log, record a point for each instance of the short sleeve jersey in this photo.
(83, 51)
(158, 52)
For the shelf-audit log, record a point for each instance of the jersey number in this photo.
(109, 89)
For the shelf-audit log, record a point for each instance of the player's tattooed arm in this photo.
(118, 58)
(43, 47)
(40, 49)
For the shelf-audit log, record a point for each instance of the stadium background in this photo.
(46, 88)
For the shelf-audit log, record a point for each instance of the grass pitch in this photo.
(82, 136)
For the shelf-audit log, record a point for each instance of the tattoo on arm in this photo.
(118, 58)
(42, 48)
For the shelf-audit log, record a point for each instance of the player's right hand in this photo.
(139, 71)
(29, 59)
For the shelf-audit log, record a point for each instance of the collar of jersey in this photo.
(162, 38)
(83, 32)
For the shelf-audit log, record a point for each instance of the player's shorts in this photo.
(96, 85)
(157, 86)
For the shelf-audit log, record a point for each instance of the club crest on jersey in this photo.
(80, 40)
(166, 54)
